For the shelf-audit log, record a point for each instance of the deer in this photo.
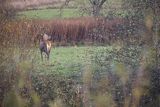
(45, 45)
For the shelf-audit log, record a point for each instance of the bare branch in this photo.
(63, 5)
(102, 2)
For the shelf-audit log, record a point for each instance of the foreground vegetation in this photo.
(70, 69)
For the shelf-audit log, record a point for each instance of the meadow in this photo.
(68, 61)
(55, 13)
(50, 13)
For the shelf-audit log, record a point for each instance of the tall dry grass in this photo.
(77, 30)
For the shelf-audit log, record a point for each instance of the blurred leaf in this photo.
(24, 66)
(127, 101)
(104, 100)
(21, 82)
(149, 20)
(12, 99)
(137, 94)
(87, 75)
(36, 99)
(57, 103)
(121, 71)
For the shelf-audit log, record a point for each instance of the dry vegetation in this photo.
(76, 30)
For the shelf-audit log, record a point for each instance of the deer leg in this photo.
(41, 56)
(48, 56)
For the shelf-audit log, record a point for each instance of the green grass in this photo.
(68, 60)
(49, 13)
(73, 60)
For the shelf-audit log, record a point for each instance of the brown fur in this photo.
(45, 47)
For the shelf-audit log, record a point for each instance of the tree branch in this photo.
(102, 2)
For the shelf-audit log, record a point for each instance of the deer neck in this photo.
(48, 44)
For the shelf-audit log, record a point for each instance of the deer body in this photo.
(45, 46)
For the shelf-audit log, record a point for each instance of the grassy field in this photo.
(73, 60)
(49, 13)
(64, 13)
(68, 60)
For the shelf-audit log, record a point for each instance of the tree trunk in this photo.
(96, 10)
